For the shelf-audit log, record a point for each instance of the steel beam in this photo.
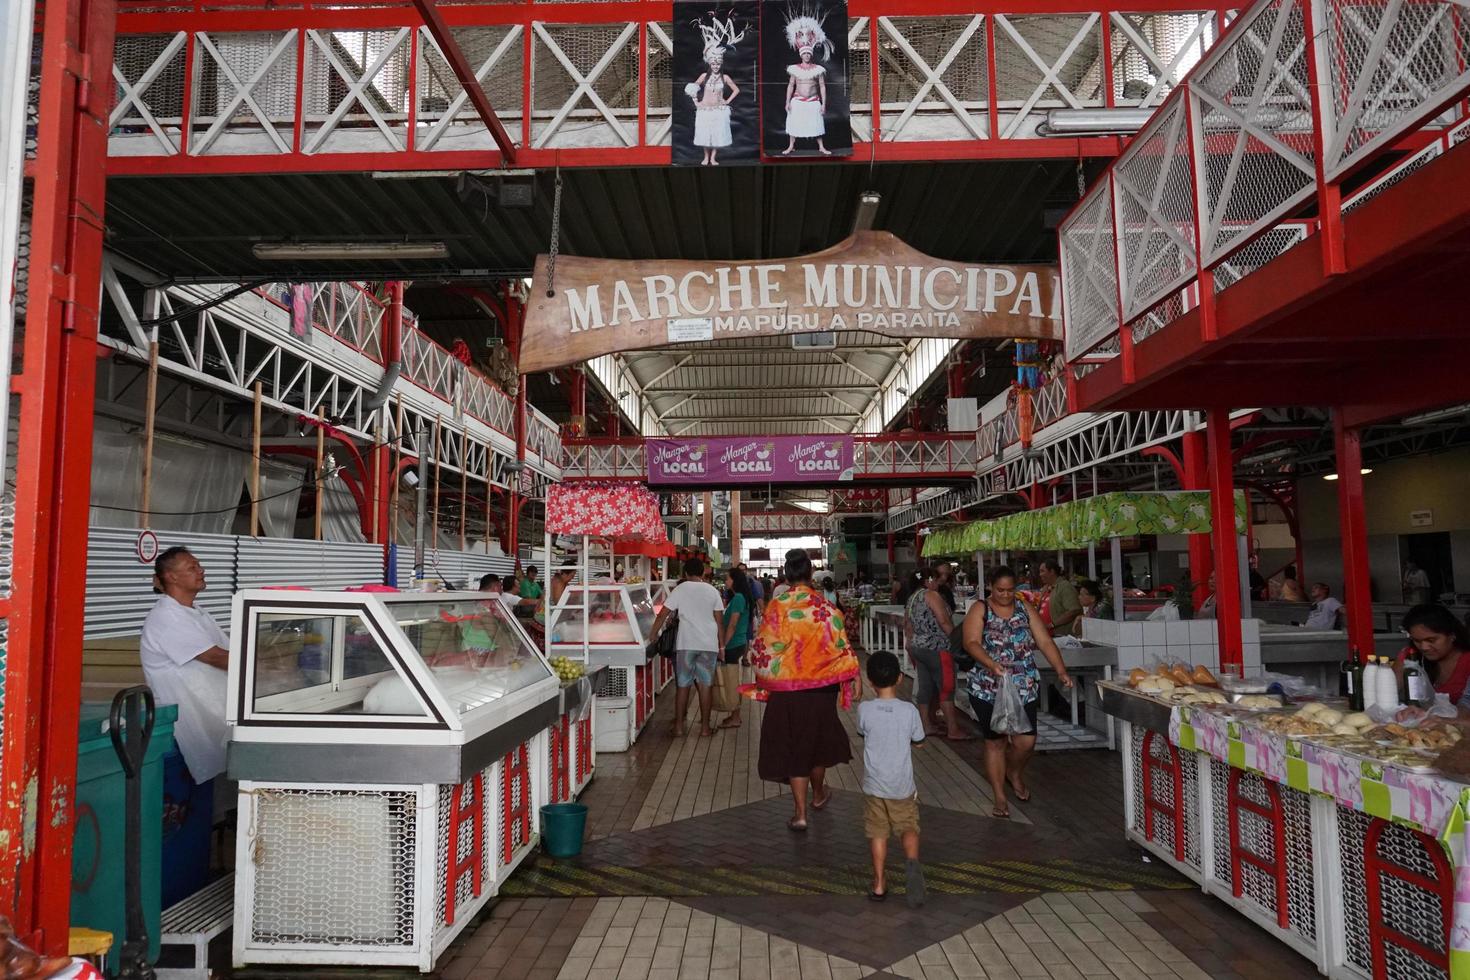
(449, 47)
(1357, 595)
(43, 671)
(1223, 535)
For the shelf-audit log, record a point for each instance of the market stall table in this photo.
(1348, 859)
(392, 755)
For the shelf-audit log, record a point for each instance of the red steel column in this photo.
(1356, 599)
(54, 424)
(1222, 518)
(1196, 477)
(382, 465)
(578, 423)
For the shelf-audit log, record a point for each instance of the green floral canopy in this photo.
(1078, 523)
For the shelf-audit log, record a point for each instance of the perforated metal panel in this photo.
(1403, 907)
(1163, 792)
(615, 683)
(464, 886)
(333, 867)
(1301, 884)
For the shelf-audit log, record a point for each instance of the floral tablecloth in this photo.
(1424, 801)
(1428, 802)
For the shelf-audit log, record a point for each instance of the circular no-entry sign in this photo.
(147, 547)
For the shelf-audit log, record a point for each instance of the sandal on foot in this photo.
(796, 826)
(822, 803)
(876, 896)
(1021, 793)
(1001, 814)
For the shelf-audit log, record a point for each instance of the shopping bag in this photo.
(726, 695)
(1009, 716)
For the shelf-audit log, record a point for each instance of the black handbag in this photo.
(664, 644)
(963, 662)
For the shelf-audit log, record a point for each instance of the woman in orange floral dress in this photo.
(803, 663)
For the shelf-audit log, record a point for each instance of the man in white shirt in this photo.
(185, 655)
(697, 645)
(1324, 608)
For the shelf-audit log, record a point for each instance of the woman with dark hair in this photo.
(736, 630)
(802, 663)
(1443, 643)
(1003, 634)
(927, 623)
(1095, 604)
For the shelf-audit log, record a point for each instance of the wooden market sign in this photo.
(871, 282)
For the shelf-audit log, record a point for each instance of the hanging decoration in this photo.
(616, 510)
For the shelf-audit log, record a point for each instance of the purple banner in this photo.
(719, 460)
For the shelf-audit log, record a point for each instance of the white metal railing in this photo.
(372, 79)
(1205, 193)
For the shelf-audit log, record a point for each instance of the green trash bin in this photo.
(98, 895)
(562, 826)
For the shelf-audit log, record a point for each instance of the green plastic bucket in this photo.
(562, 826)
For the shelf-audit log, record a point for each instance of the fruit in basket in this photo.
(567, 669)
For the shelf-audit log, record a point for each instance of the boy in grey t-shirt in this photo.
(889, 727)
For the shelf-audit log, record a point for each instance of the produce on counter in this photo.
(567, 669)
(1435, 737)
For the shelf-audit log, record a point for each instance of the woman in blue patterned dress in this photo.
(1003, 634)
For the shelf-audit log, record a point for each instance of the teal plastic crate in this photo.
(98, 896)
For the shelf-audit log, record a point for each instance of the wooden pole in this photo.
(150, 413)
(321, 452)
(397, 474)
(488, 494)
(255, 467)
(464, 484)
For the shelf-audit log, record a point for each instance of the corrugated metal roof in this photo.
(967, 210)
(962, 211)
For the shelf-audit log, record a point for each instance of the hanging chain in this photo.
(1081, 180)
(555, 237)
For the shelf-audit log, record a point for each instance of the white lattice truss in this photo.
(584, 86)
(1050, 71)
(371, 99)
(782, 522)
(232, 346)
(510, 43)
(1374, 93)
(1246, 115)
(1277, 59)
(1155, 234)
(933, 77)
(1080, 443)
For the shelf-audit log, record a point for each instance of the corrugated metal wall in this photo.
(120, 586)
(263, 562)
(462, 568)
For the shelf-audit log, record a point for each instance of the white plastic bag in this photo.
(1410, 716)
(1009, 716)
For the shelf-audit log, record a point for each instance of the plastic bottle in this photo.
(1417, 688)
(1370, 684)
(1386, 684)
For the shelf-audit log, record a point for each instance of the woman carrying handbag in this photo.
(1003, 634)
(739, 613)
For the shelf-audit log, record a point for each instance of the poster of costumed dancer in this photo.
(716, 117)
(804, 106)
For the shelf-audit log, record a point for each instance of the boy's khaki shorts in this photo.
(883, 818)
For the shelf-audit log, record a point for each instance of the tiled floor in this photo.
(689, 872)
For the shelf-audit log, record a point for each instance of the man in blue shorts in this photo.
(697, 645)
